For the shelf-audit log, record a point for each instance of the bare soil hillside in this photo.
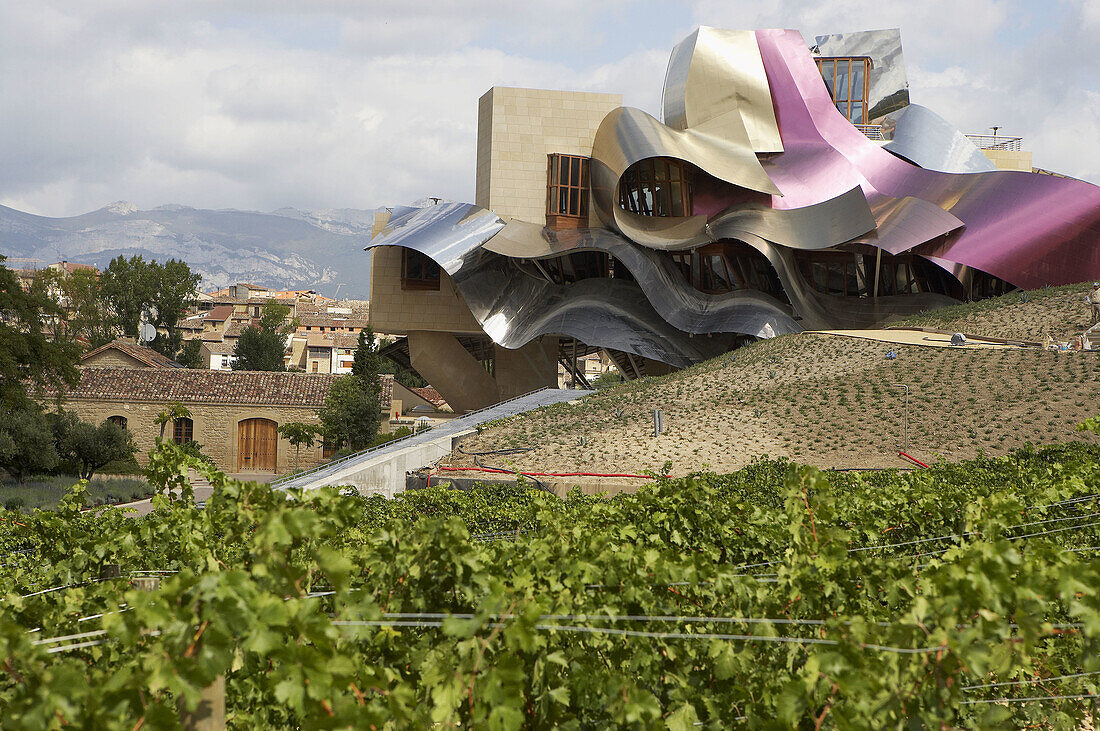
(828, 401)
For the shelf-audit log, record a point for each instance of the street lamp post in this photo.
(905, 418)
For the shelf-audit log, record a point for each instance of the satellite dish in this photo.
(147, 333)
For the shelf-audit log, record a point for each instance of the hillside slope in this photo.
(828, 401)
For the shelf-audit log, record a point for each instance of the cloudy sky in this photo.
(361, 103)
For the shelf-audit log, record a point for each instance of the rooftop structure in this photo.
(128, 354)
(757, 206)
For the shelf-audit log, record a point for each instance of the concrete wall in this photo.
(517, 129)
(397, 311)
(215, 427)
(451, 370)
(526, 369)
(385, 474)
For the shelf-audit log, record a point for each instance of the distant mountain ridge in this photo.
(284, 249)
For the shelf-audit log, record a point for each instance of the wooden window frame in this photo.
(183, 430)
(566, 190)
(647, 188)
(830, 84)
(426, 283)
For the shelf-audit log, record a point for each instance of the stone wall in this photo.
(517, 129)
(215, 427)
(397, 311)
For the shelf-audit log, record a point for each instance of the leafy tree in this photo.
(351, 414)
(174, 410)
(26, 441)
(405, 376)
(607, 379)
(190, 355)
(132, 286)
(367, 363)
(299, 434)
(28, 355)
(261, 347)
(89, 315)
(88, 446)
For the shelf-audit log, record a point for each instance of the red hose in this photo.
(912, 459)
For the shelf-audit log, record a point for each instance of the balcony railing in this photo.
(996, 142)
(872, 131)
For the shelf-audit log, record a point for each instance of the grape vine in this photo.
(778, 596)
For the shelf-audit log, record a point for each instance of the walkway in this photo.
(381, 470)
(929, 338)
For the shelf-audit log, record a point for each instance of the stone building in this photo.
(234, 414)
(125, 353)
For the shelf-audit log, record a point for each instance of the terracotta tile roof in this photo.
(430, 395)
(319, 340)
(140, 353)
(220, 348)
(327, 320)
(207, 386)
(219, 313)
(347, 340)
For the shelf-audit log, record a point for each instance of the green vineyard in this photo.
(965, 595)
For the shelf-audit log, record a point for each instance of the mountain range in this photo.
(284, 249)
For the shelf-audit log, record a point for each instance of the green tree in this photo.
(88, 313)
(367, 363)
(351, 414)
(190, 355)
(26, 440)
(171, 412)
(29, 356)
(299, 434)
(87, 446)
(261, 347)
(132, 286)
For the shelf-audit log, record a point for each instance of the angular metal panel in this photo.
(889, 88)
(1028, 229)
(926, 139)
(716, 84)
(446, 232)
(826, 224)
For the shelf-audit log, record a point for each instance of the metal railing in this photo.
(369, 450)
(871, 131)
(996, 142)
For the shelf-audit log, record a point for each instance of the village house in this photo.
(125, 353)
(234, 414)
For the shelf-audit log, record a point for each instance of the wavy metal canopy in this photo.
(750, 109)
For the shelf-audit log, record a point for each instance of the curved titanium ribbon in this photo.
(751, 109)
(1028, 229)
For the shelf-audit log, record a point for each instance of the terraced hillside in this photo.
(828, 401)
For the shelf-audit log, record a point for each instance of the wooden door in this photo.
(257, 445)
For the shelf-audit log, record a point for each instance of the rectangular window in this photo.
(848, 80)
(566, 189)
(183, 431)
(418, 271)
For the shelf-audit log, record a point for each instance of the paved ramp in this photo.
(381, 470)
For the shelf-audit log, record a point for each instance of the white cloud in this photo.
(339, 103)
